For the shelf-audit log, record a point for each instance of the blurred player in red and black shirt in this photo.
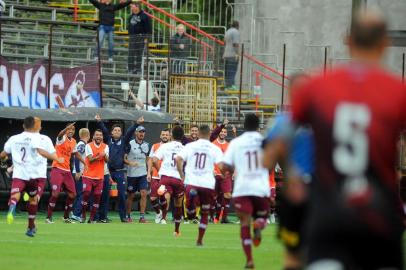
(356, 113)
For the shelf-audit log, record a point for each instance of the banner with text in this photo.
(26, 85)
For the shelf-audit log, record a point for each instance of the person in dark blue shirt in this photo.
(139, 30)
(117, 147)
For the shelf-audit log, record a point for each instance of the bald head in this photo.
(368, 30)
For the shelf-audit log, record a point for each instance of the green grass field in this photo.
(128, 246)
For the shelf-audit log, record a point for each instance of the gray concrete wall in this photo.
(306, 27)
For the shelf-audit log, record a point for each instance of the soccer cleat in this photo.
(68, 220)
(186, 221)
(10, 217)
(199, 243)
(76, 218)
(129, 220)
(124, 220)
(158, 217)
(163, 222)
(177, 234)
(256, 241)
(249, 265)
(91, 221)
(215, 221)
(10, 214)
(49, 220)
(195, 221)
(30, 232)
(273, 218)
(142, 220)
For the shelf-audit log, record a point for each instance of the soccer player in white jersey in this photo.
(200, 157)
(24, 149)
(171, 184)
(251, 186)
(42, 163)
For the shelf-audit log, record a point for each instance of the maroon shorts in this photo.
(19, 186)
(273, 193)
(61, 179)
(204, 195)
(224, 184)
(92, 184)
(41, 186)
(154, 188)
(252, 205)
(173, 186)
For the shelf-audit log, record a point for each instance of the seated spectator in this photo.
(153, 105)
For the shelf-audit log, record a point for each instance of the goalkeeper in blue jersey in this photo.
(293, 148)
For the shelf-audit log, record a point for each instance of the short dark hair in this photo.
(154, 101)
(177, 133)
(98, 130)
(194, 126)
(136, 4)
(166, 130)
(204, 130)
(235, 24)
(116, 125)
(367, 30)
(251, 122)
(29, 122)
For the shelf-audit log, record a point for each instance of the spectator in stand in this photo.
(2, 7)
(153, 106)
(180, 46)
(231, 40)
(139, 30)
(106, 22)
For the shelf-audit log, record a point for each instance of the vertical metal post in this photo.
(49, 64)
(325, 61)
(403, 68)
(146, 44)
(168, 90)
(100, 67)
(283, 74)
(241, 73)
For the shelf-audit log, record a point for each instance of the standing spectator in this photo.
(180, 46)
(2, 7)
(117, 144)
(139, 30)
(231, 40)
(106, 22)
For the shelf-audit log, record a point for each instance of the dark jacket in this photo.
(106, 12)
(139, 24)
(175, 50)
(118, 147)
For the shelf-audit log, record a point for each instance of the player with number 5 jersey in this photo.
(251, 186)
(356, 112)
(171, 184)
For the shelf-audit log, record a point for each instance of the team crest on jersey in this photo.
(54, 187)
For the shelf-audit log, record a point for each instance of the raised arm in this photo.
(138, 101)
(95, 3)
(215, 133)
(100, 124)
(63, 131)
(130, 131)
(122, 4)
